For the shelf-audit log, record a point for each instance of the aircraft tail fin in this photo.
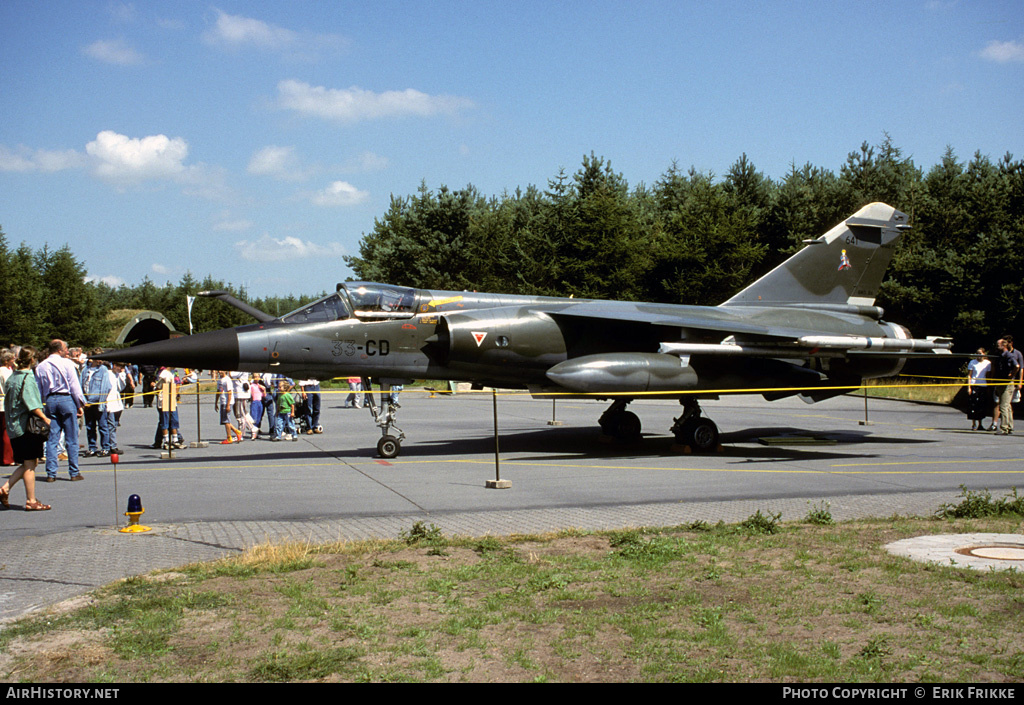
(843, 267)
(227, 298)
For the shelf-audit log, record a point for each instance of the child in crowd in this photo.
(285, 404)
(256, 393)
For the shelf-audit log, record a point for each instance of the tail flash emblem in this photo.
(479, 337)
(844, 261)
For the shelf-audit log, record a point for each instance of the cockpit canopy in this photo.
(364, 300)
(371, 300)
(329, 308)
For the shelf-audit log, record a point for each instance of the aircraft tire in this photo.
(700, 434)
(626, 426)
(389, 447)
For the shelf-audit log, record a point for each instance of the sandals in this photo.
(5, 498)
(36, 506)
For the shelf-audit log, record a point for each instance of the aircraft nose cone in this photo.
(216, 350)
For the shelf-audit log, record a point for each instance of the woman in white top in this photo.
(979, 401)
(115, 405)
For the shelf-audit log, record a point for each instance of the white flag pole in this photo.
(189, 299)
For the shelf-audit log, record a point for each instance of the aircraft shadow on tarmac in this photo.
(576, 443)
(566, 443)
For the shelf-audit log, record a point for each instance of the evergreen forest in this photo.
(690, 237)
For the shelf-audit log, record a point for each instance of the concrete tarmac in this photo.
(212, 502)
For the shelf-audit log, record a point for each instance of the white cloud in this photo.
(1003, 52)
(238, 31)
(110, 280)
(204, 181)
(278, 162)
(160, 268)
(24, 159)
(354, 104)
(271, 249)
(169, 23)
(339, 193)
(367, 161)
(113, 52)
(16, 161)
(125, 160)
(122, 13)
(283, 164)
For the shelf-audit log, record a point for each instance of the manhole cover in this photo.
(1004, 552)
(978, 551)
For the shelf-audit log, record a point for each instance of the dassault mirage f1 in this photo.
(809, 328)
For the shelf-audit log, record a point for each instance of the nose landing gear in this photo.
(389, 445)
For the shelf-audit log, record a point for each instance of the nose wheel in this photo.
(389, 445)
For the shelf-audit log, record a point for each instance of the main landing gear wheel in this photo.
(389, 447)
(701, 434)
(625, 426)
(620, 424)
(691, 429)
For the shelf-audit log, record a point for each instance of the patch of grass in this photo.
(876, 648)
(421, 533)
(820, 515)
(647, 550)
(488, 544)
(871, 602)
(264, 558)
(307, 664)
(759, 523)
(980, 504)
(750, 602)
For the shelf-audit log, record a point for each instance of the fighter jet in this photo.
(809, 327)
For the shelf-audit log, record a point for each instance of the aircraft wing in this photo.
(741, 336)
(701, 318)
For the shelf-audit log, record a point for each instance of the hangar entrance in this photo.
(142, 327)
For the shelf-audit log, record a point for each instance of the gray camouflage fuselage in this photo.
(808, 327)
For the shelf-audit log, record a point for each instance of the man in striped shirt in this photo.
(63, 401)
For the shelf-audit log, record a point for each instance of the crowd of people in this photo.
(47, 398)
(290, 407)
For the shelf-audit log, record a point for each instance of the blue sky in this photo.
(258, 141)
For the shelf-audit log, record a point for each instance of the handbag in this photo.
(37, 426)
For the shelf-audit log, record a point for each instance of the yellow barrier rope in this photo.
(677, 392)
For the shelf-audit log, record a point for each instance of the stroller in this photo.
(300, 414)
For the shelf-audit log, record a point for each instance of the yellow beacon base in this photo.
(134, 527)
